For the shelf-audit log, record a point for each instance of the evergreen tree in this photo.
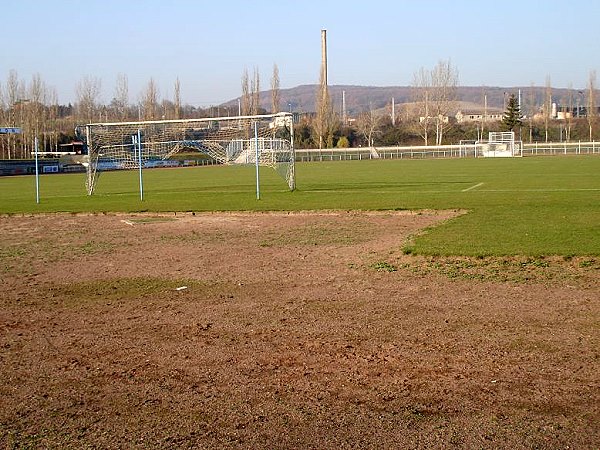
(512, 116)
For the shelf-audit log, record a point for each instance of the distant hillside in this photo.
(362, 98)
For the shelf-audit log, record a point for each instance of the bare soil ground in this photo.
(292, 331)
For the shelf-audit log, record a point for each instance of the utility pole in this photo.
(344, 107)
(485, 108)
(520, 113)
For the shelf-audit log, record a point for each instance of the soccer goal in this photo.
(500, 144)
(263, 140)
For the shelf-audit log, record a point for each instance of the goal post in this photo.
(264, 140)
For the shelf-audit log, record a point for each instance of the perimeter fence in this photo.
(441, 151)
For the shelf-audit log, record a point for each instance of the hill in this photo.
(362, 98)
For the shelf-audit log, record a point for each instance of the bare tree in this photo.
(531, 110)
(591, 102)
(547, 105)
(52, 131)
(37, 101)
(421, 110)
(121, 99)
(568, 112)
(275, 90)
(177, 99)
(3, 120)
(166, 109)
(37, 95)
(150, 100)
(324, 123)
(12, 88)
(87, 92)
(246, 98)
(444, 81)
(255, 93)
(12, 97)
(367, 124)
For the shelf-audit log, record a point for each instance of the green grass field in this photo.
(520, 206)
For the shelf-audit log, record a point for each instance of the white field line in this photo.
(472, 187)
(127, 222)
(543, 190)
(356, 191)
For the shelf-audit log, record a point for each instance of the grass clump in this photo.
(118, 289)
(504, 269)
(384, 266)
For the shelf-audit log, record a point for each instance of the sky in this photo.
(208, 44)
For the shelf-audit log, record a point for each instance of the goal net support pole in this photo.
(140, 164)
(257, 165)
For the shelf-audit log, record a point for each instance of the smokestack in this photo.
(324, 58)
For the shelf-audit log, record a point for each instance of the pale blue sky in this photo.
(207, 44)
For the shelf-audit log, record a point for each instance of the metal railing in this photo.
(396, 152)
(441, 151)
(561, 148)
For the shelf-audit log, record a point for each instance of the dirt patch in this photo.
(288, 331)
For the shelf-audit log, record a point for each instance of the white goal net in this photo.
(228, 140)
(501, 144)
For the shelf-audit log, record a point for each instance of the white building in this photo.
(443, 119)
(478, 116)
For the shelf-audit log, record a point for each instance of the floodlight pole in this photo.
(257, 161)
(139, 143)
(37, 173)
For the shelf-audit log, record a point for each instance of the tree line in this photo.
(33, 106)
(427, 119)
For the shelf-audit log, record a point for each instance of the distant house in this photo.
(443, 119)
(562, 112)
(564, 115)
(478, 116)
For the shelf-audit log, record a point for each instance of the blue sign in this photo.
(10, 131)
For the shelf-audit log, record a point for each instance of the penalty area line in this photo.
(472, 187)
